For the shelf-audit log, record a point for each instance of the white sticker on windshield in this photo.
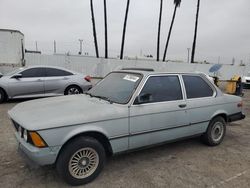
(131, 78)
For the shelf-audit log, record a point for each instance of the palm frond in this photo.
(177, 3)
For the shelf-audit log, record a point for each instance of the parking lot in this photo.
(186, 163)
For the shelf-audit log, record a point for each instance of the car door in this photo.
(163, 117)
(29, 84)
(201, 102)
(56, 80)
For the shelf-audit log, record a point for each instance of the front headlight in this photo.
(20, 131)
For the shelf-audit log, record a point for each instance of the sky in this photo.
(223, 30)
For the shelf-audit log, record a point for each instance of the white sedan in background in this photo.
(42, 81)
(246, 80)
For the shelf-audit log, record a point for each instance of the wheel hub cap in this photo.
(73, 91)
(217, 131)
(83, 163)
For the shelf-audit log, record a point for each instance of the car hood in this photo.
(64, 111)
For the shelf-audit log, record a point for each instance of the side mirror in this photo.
(143, 98)
(17, 76)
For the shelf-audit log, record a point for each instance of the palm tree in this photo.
(159, 32)
(94, 30)
(124, 29)
(106, 29)
(195, 31)
(177, 4)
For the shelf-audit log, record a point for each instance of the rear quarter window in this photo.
(197, 87)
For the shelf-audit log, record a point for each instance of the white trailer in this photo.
(12, 50)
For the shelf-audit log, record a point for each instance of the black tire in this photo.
(215, 132)
(2, 96)
(73, 90)
(69, 156)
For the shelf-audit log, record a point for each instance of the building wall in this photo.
(100, 67)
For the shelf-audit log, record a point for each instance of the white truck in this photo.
(12, 50)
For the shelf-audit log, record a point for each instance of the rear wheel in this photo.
(215, 132)
(73, 90)
(81, 161)
(2, 96)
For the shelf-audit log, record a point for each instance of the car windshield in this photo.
(13, 72)
(116, 87)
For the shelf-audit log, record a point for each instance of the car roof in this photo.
(49, 66)
(148, 73)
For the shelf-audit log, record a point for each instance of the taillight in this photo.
(88, 78)
(240, 104)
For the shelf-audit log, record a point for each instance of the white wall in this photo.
(100, 67)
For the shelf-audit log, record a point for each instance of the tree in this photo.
(159, 32)
(177, 3)
(195, 31)
(106, 29)
(94, 30)
(124, 29)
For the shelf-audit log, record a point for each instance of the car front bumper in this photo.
(36, 156)
(236, 117)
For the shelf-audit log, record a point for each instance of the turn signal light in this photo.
(37, 140)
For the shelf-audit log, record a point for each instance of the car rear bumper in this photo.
(236, 117)
(36, 156)
(246, 85)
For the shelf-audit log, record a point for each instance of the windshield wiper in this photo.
(89, 94)
(100, 97)
(104, 98)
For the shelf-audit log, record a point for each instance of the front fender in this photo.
(59, 136)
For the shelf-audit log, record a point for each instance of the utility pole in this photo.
(80, 51)
(219, 60)
(188, 49)
(36, 46)
(94, 29)
(54, 47)
(106, 29)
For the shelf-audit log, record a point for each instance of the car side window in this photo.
(51, 72)
(33, 72)
(163, 88)
(196, 87)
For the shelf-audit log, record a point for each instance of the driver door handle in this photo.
(182, 105)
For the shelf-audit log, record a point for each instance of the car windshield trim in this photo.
(112, 101)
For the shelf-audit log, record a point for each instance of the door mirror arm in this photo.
(17, 76)
(143, 98)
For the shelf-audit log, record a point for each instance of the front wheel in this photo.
(81, 161)
(215, 132)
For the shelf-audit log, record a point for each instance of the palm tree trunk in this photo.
(195, 32)
(106, 29)
(124, 29)
(94, 30)
(169, 33)
(159, 32)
